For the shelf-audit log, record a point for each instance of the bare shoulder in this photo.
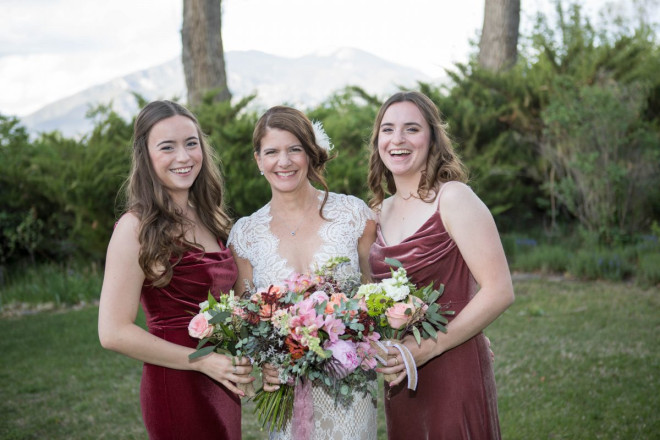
(126, 229)
(456, 195)
(461, 208)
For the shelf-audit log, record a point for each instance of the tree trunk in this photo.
(203, 56)
(498, 47)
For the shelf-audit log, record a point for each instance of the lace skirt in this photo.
(333, 422)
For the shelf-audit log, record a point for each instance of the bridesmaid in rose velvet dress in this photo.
(167, 252)
(442, 233)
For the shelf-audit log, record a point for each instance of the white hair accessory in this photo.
(322, 139)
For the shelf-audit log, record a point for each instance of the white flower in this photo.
(322, 139)
(204, 306)
(400, 276)
(366, 290)
(395, 289)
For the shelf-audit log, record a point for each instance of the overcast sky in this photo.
(50, 49)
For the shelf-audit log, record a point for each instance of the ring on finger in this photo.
(396, 361)
(234, 369)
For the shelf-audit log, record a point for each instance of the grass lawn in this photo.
(574, 360)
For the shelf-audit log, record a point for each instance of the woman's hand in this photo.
(271, 377)
(421, 354)
(393, 367)
(228, 370)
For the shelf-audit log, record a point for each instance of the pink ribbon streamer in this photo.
(302, 422)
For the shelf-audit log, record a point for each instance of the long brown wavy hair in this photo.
(162, 223)
(298, 124)
(442, 163)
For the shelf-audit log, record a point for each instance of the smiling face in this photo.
(175, 152)
(404, 138)
(283, 160)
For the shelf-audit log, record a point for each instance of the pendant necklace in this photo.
(294, 230)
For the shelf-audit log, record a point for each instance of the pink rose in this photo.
(346, 354)
(199, 327)
(396, 315)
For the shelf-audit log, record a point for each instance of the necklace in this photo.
(293, 231)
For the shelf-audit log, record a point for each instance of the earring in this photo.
(261, 172)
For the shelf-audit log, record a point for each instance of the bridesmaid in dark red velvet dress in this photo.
(442, 233)
(168, 252)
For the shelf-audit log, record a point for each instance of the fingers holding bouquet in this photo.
(270, 377)
(394, 369)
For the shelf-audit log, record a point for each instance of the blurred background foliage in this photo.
(564, 148)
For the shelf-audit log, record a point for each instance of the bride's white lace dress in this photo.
(252, 239)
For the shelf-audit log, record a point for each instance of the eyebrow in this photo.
(170, 141)
(405, 124)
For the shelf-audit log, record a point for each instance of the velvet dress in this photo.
(178, 404)
(455, 396)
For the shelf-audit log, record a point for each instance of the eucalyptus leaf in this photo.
(393, 262)
(201, 352)
(418, 337)
(219, 317)
(430, 330)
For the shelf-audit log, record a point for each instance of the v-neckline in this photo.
(286, 260)
(379, 230)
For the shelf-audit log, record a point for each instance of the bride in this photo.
(299, 229)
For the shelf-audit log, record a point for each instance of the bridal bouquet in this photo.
(316, 333)
(399, 308)
(220, 325)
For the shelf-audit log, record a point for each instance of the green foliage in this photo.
(648, 270)
(348, 117)
(547, 259)
(602, 156)
(508, 124)
(56, 284)
(601, 264)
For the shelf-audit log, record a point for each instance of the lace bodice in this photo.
(252, 239)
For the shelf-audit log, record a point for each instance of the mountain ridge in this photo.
(302, 82)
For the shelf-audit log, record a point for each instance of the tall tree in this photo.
(498, 47)
(203, 55)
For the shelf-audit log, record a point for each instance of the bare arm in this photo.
(472, 227)
(364, 245)
(120, 297)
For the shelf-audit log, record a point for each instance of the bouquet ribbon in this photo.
(302, 422)
(408, 360)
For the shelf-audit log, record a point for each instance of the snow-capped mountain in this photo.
(302, 82)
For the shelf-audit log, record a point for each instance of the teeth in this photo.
(182, 170)
(398, 152)
(287, 174)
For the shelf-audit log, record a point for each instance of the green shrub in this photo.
(545, 259)
(614, 265)
(648, 270)
(51, 283)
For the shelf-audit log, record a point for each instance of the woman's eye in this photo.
(386, 130)
(192, 144)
